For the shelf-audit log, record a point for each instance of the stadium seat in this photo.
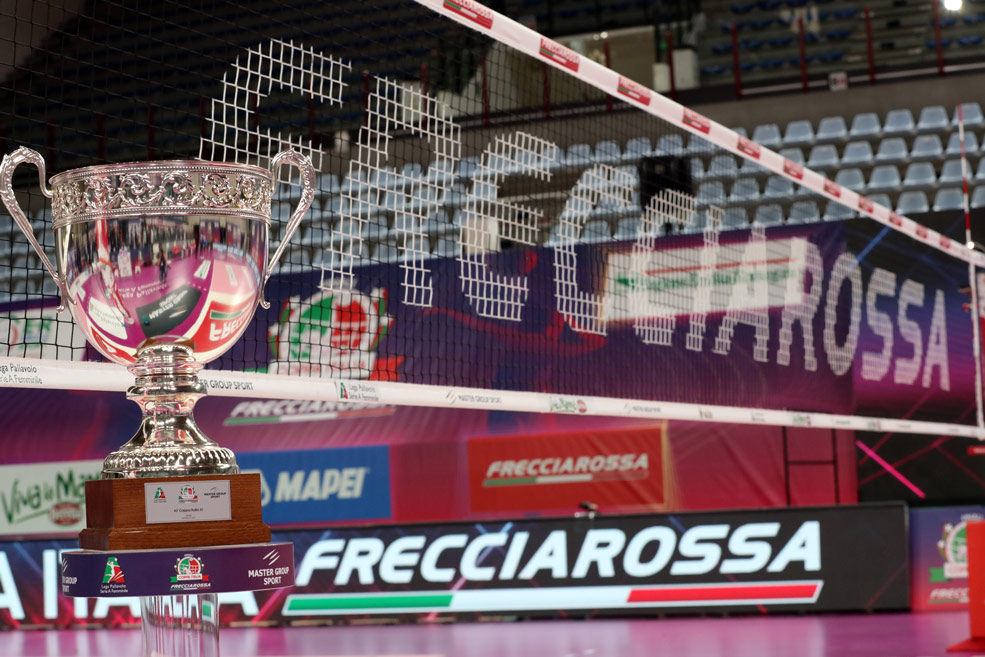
(898, 122)
(891, 149)
(735, 218)
(921, 174)
(831, 128)
(697, 169)
(328, 183)
(948, 199)
(857, 152)
(798, 133)
(767, 135)
(710, 193)
(954, 144)
(607, 152)
(804, 212)
(837, 212)
(438, 223)
(971, 113)
(884, 177)
(722, 166)
(699, 145)
(446, 248)
(851, 178)
(865, 126)
(912, 202)
(467, 167)
(978, 197)
(770, 214)
(823, 157)
(778, 187)
(932, 119)
(596, 231)
(744, 189)
(637, 148)
(628, 229)
(578, 155)
(795, 155)
(925, 147)
(740, 131)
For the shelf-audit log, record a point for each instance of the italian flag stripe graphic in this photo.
(564, 479)
(570, 597)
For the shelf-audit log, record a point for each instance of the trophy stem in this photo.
(168, 442)
(180, 625)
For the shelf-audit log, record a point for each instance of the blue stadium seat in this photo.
(798, 133)
(954, 144)
(778, 187)
(744, 189)
(697, 169)
(710, 193)
(767, 135)
(932, 119)
(637, 148)
(804, 212)
(700, 145)
(629, 228)
(978, 197)
(596, 231)
(851, 178)
(770, 214)
(740, 131)
(722, 166)
(898, 122)
(578, 155)
(467, 167)
(925, 147)
(884, 177)
(823, 157)
(836, 212)
(865, 126)
(948, 199)
(912, 202)
(329, 183)
(857, 152)
(980, 173)
(735, 218)
(922, 174)
(971, 113)
(750, 167)
(793, 154)
(831, 128)
(696, 223)
(607, 152)
(881, 199)
(891, 149)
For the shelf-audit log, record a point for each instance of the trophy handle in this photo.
(307, 169)
(10, 162)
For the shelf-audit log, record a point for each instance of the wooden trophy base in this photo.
(131, 514)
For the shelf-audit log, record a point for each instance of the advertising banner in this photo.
(939, 556)
(806, 559)
(45, 498)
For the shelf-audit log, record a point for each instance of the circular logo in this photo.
(66, 513)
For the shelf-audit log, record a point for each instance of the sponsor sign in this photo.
(319, 486)
(749, 147)
(471, 11)
(634, 91)
(554, 472)
(558, 54)
(198, 501)
(939, 554)
(793, 169)
(696, 121)
(29, 331)
(832, 188)
(44, 498)
(846, 558)
(865, 205)
(274, 411)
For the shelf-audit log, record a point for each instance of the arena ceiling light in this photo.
(953, 5)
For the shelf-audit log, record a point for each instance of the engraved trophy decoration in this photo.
(162, 265)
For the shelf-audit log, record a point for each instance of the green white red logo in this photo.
(189, 568)
(187, 494)
(471, 11)
(832, 188)
(865, 205)
(113, 574)
(560, 55)
(749, 147)
(793, 169)
(159, 494)
(634, 91)
(696, 121)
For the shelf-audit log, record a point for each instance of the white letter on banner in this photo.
(10, 598)
(583, 311)
(840, 357)
(937, 345)
(703, 556)
(398, 557)
(757, 553)
(631, 563)
(512, 560)
(875, 365)
(706, 297)
(486, 219)
(470, 558)
(552, 554)
(320, 556)
(361, 554)
(429, 563)
(750, 299)
(654, 299)
(911, 294)
(803, 546)
(804, 309)
(393, 106)
(600, 547)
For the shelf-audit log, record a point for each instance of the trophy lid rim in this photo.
(148, 166)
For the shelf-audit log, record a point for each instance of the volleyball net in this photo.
(501, 222)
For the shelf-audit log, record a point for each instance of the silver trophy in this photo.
(162, 265)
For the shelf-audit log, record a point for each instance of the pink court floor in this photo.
(874, 635)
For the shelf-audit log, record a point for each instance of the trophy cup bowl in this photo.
(162, 265)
